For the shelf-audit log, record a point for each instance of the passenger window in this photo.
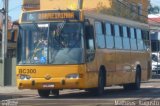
(145, 35)
(109, 36)
(126, 43)
(139, 34)
(118, 38)
(132, 33)
(116, 30)
(108, 29)
(125, 34)
(98, 27)
(139, 39)
(133, 39)
(99, 35)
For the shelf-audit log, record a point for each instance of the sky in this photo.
(155, 2)
(15, 7)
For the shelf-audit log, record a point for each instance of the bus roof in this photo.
(118, 20)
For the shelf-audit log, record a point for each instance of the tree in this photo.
(153, 9)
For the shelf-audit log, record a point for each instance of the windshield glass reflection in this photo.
(55, 43)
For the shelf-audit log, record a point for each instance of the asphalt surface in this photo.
(148, 95)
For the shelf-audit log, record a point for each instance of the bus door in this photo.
(91, 66)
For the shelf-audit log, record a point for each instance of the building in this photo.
(9, 73)
(11, 46)
(30, 5)
(154, 22)
(131, 9)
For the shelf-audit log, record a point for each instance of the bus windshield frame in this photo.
(51, 43)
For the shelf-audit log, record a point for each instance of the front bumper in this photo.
(54, 83)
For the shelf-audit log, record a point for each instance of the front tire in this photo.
(55, 92)
(44, 93)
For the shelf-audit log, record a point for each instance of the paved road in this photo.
(148, 95)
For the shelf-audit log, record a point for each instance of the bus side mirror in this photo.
(12, 35)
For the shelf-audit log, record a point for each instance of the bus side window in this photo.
(100, 38)
(109, 36)
(117, 37)
(126, 42)
(139, 39)
(90, 37)
(133, 39)
(146, 39)
(90, 52)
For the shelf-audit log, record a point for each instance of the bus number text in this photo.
(27, 71)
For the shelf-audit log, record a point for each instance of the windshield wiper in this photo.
(60, 26)
(58, 32)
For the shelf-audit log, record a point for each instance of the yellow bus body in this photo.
(57, 74)
(120, 65)
(114, 62)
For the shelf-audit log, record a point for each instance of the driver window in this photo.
(90, 52)
(90, 37)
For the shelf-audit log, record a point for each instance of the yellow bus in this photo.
(72, 49)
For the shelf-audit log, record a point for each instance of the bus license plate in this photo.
(48, 85)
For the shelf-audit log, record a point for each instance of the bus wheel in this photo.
(137, 84)
(55, 92)
(44, 93)
(100, 89)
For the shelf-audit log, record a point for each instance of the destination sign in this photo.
(50, 16)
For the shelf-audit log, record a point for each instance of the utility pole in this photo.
(80, 4)
(4, 39)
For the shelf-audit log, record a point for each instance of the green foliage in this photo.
(154, 9)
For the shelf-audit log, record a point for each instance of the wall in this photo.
(72, 4)
(127, 9)
(31, 5)
(10, 73)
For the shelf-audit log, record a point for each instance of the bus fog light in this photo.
(72, 76)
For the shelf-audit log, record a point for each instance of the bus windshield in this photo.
(50, 43)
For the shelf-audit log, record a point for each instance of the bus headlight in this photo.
(73, 76)
(24, 77)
